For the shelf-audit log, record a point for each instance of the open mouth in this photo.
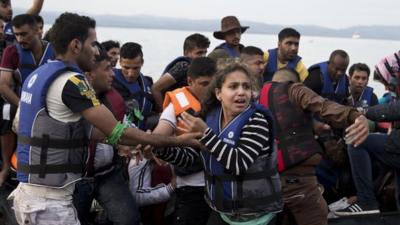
(240, 101)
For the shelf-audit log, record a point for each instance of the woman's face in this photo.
(235, 93)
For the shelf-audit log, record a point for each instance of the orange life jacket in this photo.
(183, 101)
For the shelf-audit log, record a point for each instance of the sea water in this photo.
(162, 46)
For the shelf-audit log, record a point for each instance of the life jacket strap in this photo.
(249, 176)
(38, 169)
(218, 181)
(43, 155)
(52, 143)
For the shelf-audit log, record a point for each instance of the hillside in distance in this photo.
(170, 23)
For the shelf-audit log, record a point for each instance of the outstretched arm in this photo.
(104, 120)
(36, 7)
(163, 83)
(384, 112)
(339, 116)
(6, 82)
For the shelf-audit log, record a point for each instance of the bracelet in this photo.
(116, 134)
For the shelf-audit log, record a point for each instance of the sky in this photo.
(332, 14)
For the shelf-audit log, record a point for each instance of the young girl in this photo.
(242, 184)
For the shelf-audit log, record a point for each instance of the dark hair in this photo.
(107, 45)
(288, 32)
(23, 19)
(359, 67)
(252, 50)
(47, 35)
(67, 27)
(338, 52)
(5, 1)
(39, 19)
(286, 75)
(195, 41)
(102, 54)
(202, 66)
(131, 50)
(217, 83)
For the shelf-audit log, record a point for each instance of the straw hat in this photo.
(229, 23)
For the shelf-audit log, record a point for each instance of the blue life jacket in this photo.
(272, 64)
(231, 51)
(328, 91)
(50, 152)
(175, 61)
(140, 91)
(27, 62)
(8, 33)
(365, 99)
(255, 191)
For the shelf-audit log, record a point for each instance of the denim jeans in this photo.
(112, 192)
(360, 157)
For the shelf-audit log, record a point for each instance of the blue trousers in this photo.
(360, 157)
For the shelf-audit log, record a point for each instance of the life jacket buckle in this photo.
(292, 180)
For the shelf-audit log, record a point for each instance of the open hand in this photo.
(358, 131)
(192, 123)
(190, 139)
(320, 127)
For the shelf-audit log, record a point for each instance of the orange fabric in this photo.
(14, 161)
(172, 97)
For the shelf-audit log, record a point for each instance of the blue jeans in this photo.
(360, 157)
(112, 192)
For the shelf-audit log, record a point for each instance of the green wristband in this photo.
(116, 134)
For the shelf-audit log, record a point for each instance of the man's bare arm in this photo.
(163, 127)
(105, 121)
(161, 84)
(36, 7)
(6, 82)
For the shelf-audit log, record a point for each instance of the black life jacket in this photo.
(295, 137)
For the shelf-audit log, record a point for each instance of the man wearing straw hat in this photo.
(231, 30)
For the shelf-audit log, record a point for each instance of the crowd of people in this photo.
(238, 136)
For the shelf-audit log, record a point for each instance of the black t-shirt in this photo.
(78, 95)
(314, 80)
(179, 73)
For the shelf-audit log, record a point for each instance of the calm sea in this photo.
(161, 46)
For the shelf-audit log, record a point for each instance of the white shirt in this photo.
(196, 179)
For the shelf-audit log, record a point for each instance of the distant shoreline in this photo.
(169, 23)
(247, 32)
